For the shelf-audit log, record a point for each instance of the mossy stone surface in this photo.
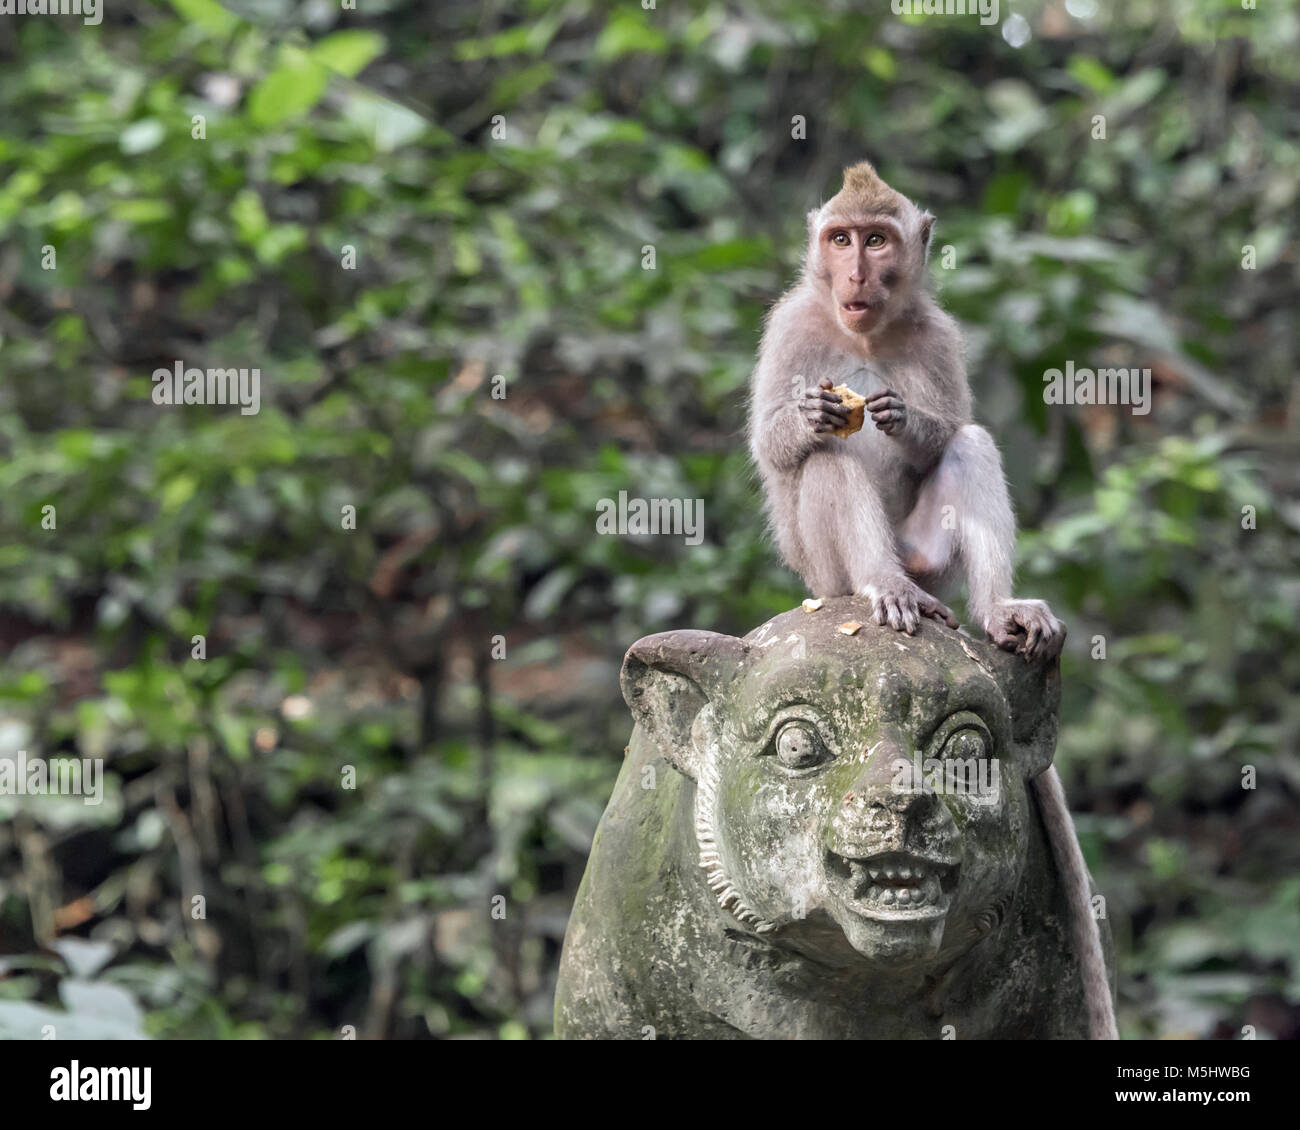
(825, 835)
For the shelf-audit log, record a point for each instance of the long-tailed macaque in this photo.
(895, 511)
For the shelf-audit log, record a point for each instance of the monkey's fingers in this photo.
(878, 400)
(937, 610)
(1055, 640)
(880, 609)
(900, 614)
(1033, 633)
(827, 399)
(1006, 635)
(823, 421)
(1052, 639)
(825, 415)
(822, 396)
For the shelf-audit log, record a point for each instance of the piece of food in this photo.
(850, 627)
(857, 406)
(811, 604)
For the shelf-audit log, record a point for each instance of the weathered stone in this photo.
(740, 881)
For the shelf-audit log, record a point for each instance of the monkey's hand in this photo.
(1027, 627)
(888, 411)
(901, 603)
(822, 408)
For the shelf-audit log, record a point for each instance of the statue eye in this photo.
(875, 239)
(965, 743)
(800, 746)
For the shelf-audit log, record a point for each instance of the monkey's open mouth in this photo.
(892, 885)
(857, 307)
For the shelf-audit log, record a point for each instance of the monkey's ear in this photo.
(667, 678)
(1033, 692)
(927, 223)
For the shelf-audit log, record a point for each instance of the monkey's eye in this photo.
(875, 239)
(841, 239)
(799, 746)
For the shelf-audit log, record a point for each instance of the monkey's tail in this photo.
(1083, 926)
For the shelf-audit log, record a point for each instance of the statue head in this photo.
(858, 797)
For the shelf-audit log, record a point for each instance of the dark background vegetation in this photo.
(521, 257)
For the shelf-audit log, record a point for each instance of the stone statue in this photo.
(825, 830)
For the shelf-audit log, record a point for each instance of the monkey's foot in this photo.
(1027, 627)
(901, 603)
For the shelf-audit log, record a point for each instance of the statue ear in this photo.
(1033, 693)
(667, 679)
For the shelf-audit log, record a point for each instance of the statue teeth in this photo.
(891, 873)
(888, 896)
(904, 897)
(904, 872)
(874, 872)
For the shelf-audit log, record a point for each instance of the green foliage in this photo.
(332, 650)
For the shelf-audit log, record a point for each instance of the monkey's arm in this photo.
(783, 437)
(791, 414)
(935, 400)
(925, 436)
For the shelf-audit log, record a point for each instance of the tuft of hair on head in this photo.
(862, 177)
(865, 193)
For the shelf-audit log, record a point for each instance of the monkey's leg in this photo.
(824, 515)
(782, 515)
(927, 537)
(848, 543)
(969, 478)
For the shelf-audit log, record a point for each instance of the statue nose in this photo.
(890, 783)
(878, 764)
(885, 805)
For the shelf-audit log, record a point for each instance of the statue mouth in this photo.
(892, 886)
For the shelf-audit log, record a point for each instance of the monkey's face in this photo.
(864, 262)
(863, 797)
